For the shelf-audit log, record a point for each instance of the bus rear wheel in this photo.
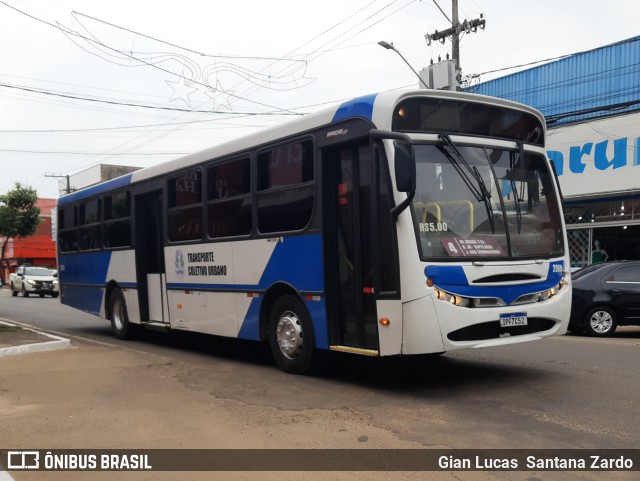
(291, 336)
(120, 325)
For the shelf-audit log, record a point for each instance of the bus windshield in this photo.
(484, 203)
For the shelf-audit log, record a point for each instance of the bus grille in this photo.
(492, 330)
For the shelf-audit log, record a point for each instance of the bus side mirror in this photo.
(405, 167)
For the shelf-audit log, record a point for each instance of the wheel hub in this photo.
(117, 314)
(289, 335)
(601, 321)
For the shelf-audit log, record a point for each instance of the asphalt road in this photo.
(564, 392)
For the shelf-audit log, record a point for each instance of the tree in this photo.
(19, 216)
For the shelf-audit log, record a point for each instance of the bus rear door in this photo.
(150, 266)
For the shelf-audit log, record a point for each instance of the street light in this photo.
(389, 46)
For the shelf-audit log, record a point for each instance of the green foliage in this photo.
(19, 215)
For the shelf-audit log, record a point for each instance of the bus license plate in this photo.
(515, 319)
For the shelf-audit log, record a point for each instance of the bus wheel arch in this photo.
(268, 299)
(111, 286)
(286, 323)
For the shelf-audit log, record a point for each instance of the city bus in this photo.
(400, 223)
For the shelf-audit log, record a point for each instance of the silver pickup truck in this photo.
(33, 280)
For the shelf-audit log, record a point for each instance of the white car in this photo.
(33, 280)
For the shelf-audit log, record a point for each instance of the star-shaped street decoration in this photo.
(181, 89)
(219, 91)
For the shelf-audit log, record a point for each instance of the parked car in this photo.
(605, 296)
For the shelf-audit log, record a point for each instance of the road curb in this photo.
(56, 342)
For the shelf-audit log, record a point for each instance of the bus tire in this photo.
(120, 325)
(291, 336)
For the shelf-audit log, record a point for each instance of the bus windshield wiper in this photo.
(479, 190)
(454, 161)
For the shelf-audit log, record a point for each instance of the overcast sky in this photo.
(137, 82)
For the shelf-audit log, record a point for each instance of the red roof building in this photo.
(38, 249)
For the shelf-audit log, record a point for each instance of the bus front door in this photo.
(348, 180)
(152, 289)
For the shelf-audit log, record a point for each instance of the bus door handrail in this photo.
(425, 212)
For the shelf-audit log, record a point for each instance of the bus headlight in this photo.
(459, 301)
(453, 299)
(479, 302)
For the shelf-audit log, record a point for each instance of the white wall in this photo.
(599, 157)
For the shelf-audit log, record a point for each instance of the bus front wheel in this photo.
(120, 325)
(291, 336)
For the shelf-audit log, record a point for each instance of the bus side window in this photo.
(285, 195)
(67, 228)
(229, 199)
(117, 220)
(90, 230)
(185, 207)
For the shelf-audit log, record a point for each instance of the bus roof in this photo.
(376, 108)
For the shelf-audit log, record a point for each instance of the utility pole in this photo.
(455, 37)
(454, 32)
(68, 190)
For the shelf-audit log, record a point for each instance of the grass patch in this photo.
(9, 329)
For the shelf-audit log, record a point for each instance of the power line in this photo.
(605, 108)
(202, 54)
(315, 53)
(560, 57)
(67, 84)
(130, 104)
(318, 52)
(442, 11)
(54, 152)
(65, 30)
(164, 124)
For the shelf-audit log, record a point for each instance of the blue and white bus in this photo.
(406, 222)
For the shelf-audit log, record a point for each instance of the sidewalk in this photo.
(18, 339)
